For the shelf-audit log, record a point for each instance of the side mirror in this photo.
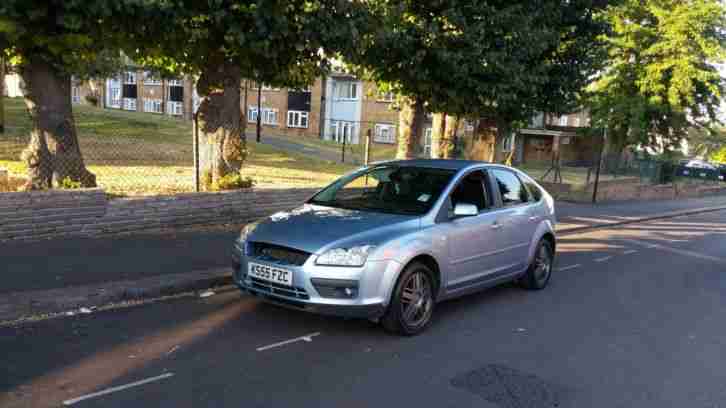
(465, 210)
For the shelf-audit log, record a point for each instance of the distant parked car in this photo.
(391, 240)
(700, 164)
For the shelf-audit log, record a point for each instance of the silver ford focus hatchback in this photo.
(389, 241)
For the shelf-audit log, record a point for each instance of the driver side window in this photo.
(470, 190)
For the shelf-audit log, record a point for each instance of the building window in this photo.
(175, 108)
(130, 104)
(385, 97)
(297, 119)
(307, 89)
(385, 134)
(252, 114)
(130, 78)
(75, 94)
(115, 97)
(577, 121)
(508, 143)
(346, 90)
(563, 120)
(150, 79)
(343, 131)
(428, 141)
(269, 115)
(176, 82)
(153, 105)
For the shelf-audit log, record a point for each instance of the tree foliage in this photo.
(506, 59)
(661, 78)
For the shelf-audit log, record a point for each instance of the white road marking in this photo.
(567, 268)
(604, 258)
(630, 251)
(681, 252)
(308, 338)
(115, 389)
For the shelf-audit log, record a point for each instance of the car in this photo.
(389, 241)
(699, 164)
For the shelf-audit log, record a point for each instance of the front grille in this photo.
(278, 254)
(278, 290)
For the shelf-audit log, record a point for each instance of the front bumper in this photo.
(375, 281)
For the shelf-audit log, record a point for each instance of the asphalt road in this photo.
(634, 317)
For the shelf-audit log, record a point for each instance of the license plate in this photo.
(270, 274)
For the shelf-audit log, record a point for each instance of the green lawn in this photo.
(145, 153)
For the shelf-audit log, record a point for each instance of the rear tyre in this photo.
(412, 302)
(540, 271)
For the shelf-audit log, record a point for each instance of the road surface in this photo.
(634, 317)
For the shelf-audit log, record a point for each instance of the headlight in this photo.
(355, 256)
(247, 230)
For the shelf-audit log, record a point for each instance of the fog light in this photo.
(336, 288)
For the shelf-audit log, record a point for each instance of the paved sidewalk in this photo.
(138, 259)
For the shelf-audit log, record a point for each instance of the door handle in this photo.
(496, 225)
(533, 218)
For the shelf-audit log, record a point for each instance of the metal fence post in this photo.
(342, 159)
(367, 151)
(196, 152)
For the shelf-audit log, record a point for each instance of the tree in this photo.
(661, 78)
(273, 41)
(2, 93)
(706, 141)
(468, 57)
(719, 156)
(47, 42)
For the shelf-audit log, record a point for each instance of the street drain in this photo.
(510, 388)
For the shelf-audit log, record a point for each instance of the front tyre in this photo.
(540, 270)
(412, 302)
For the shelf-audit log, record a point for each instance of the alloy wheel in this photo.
(416, 300)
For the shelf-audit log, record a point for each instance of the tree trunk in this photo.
(221, 121)
(2, 95)
(504, 129)
(448, 141)
(438, 129)
(53, 153)
(409, 130)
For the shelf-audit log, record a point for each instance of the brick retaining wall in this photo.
(59, 213)
(631, 189)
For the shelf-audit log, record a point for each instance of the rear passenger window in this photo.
(535, 193)
(511, 189)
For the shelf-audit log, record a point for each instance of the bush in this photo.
(68, 184)
(233, 182)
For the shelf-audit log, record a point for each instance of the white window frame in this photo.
(115, 99)
(269, 88)
(153, 106)
(174, 108)
(343, 130)
(428, 141)
(129, 104)
(175, 82)
(269, 116)
(129, 78)
(578, 121)
(563, 120)
(385, 133)
(351, 88)
(252, 114)
(149, 79)
(298, 119)
(75, 94)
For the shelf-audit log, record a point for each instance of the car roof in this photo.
(446, 164)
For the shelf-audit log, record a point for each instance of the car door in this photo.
(471, 240)
(515, 217)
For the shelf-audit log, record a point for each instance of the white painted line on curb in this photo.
(567, 268)
(630, 251)
(115, 389)
(308, 338)
(604, 258)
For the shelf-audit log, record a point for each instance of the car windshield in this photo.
(390, 189)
